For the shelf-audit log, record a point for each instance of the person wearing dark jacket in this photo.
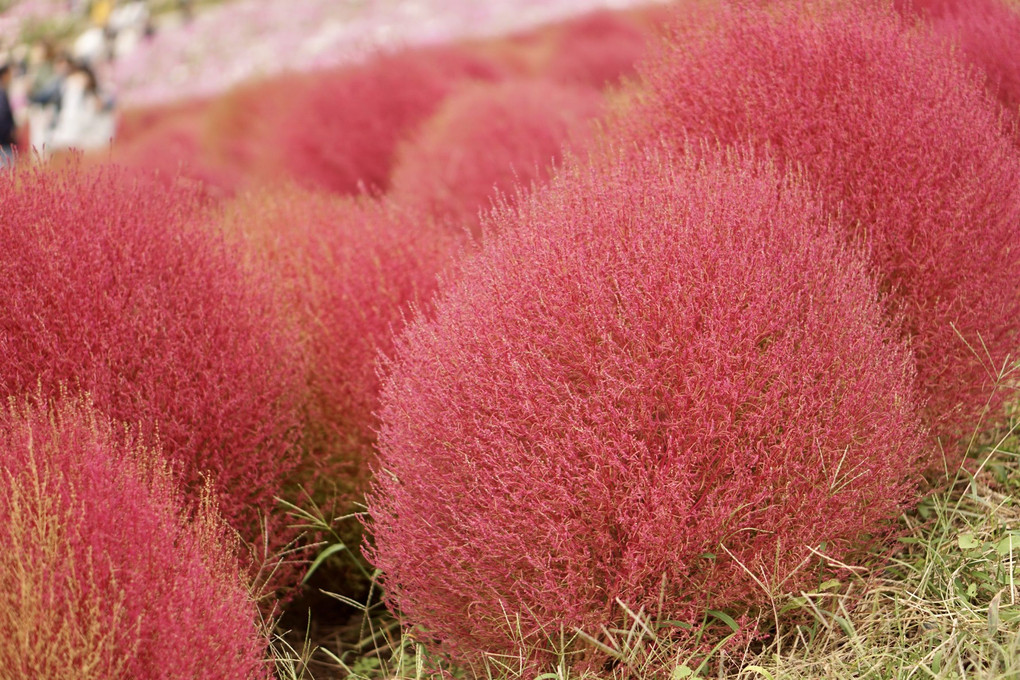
(8, 129)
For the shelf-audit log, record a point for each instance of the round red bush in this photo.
(904, 144)
(102, 573)
(173, 150)
(597, 50)
(341, 127)
(242, 126)
(136, 122)
(346, 270)
(484, 141)
(108, 287)
(661, 378)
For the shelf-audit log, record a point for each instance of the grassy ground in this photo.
(943, 603)
(944, 606)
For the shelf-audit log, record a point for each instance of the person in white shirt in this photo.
(85, 120)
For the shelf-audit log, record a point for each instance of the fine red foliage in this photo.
(108, 288)
(597, 50)
(988, 33)
(903, 142)
(655, 360)
(341, 127)
(102, 572)
(347, 270)
(484, 141)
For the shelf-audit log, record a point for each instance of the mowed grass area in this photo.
(943, 603)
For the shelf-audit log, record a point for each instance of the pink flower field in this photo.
(245, 39)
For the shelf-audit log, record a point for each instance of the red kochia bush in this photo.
(106, 287)
(597, 50)
(342, 127)
(654, 361)
(901, 139)
(243, 124)
(102, 574)
(135, 123)
(173, 149)
(988, 33)
(486, 139)
(347, 270)
(167, 141)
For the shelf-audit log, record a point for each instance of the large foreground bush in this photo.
(905, 146)
(486, 140)
(664, 383)
(108, 288)
(102, 573)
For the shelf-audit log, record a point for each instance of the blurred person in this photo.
(128, 23)
(100, 11)
(44, 97)
(8, 129)
(96, 44)
(86, 117)
(41, 66)
(47, 70)
(92, 45)
(17, 92)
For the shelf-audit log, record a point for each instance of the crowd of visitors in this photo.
(55, 97)
(65, 107)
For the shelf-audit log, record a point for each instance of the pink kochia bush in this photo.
(484, 141)
(103, 573)
(165, 141)
(988, 33)
(597, 50)
(346, 270)
(172, 150)
(107, 287)
(663, 382)
(341, 127)
(905, 146)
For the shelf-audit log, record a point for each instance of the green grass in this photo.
(945, 606)
(943, 603)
